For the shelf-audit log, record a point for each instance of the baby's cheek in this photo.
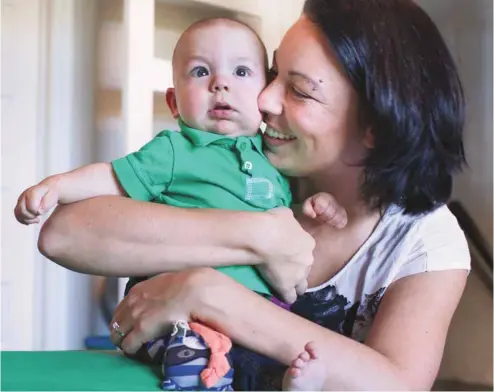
(193, 111)
(255, 114)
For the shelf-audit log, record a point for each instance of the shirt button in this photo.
(248, 165)
(242, 146)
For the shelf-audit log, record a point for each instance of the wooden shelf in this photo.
(249, 7)
(135, 44)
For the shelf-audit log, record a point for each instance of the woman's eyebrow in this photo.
(307, 78)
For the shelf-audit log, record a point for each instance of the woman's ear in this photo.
(171, 101)
(369, 140)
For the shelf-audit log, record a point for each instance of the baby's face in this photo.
(219, 72)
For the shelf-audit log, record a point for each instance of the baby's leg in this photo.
(306, 373)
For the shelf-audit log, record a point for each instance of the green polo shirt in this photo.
(198, 169)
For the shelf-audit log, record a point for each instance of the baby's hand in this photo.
(35, 201)
(324, 208)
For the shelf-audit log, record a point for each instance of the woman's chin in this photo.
(281, 162)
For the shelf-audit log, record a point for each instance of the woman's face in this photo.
(310, 107)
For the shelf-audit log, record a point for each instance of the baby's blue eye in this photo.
(242, 71)
(199, 72)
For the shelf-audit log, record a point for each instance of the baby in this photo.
(215, 161)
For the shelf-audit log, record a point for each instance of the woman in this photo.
(370, 95)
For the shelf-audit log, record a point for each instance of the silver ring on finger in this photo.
(116, 328)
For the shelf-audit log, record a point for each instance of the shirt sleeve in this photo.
(148, 172)
(439, 244)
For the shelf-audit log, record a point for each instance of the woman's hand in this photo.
(150, 308)
(287, 250)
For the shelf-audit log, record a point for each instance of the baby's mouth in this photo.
(222, 106)
(221, 111)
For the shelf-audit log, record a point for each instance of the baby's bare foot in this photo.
(306, 373)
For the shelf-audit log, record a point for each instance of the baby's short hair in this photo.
(218, 20)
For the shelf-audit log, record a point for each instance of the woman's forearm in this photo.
(122, 237)
(270, 330)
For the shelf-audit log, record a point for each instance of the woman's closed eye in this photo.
(199, 72)
(298, 94)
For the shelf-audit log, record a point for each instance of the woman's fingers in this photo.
(134, 340)
(149, 326)
(125, 317)
(301, 288)
(289, 296)
(118, 332)
(147, 311)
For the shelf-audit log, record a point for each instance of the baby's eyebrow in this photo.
(245, 59)
(197, 57)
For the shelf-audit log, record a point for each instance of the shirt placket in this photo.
(244, 152)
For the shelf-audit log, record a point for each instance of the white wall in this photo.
(20, 153)
(47, 123)
(68, 137)
(467, 28)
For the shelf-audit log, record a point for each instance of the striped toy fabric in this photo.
(184, 355)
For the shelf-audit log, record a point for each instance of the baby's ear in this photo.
(171, 101)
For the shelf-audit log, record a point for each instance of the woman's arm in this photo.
(123, 237)
(120, 236)
(403, 349)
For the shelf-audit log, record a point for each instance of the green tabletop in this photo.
(75, 371)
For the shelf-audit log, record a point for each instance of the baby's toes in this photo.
(298, 363)
(304, 356)
(311, 350)
(294, 372)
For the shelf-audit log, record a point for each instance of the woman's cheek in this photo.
(301, 121)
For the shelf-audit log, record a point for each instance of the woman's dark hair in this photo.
(410, 95)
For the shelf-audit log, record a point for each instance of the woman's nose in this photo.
(219, 84)
(270, 100)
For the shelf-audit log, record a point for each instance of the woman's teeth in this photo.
(277, 135)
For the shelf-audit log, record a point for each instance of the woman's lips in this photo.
(275, 142)
(275, 138)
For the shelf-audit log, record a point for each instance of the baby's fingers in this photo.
(329, 211)
(308, 208)
(34, 196)
(31, 221)
(21, 213)
(49, 200)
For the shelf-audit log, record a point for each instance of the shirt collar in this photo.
(202, 138)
